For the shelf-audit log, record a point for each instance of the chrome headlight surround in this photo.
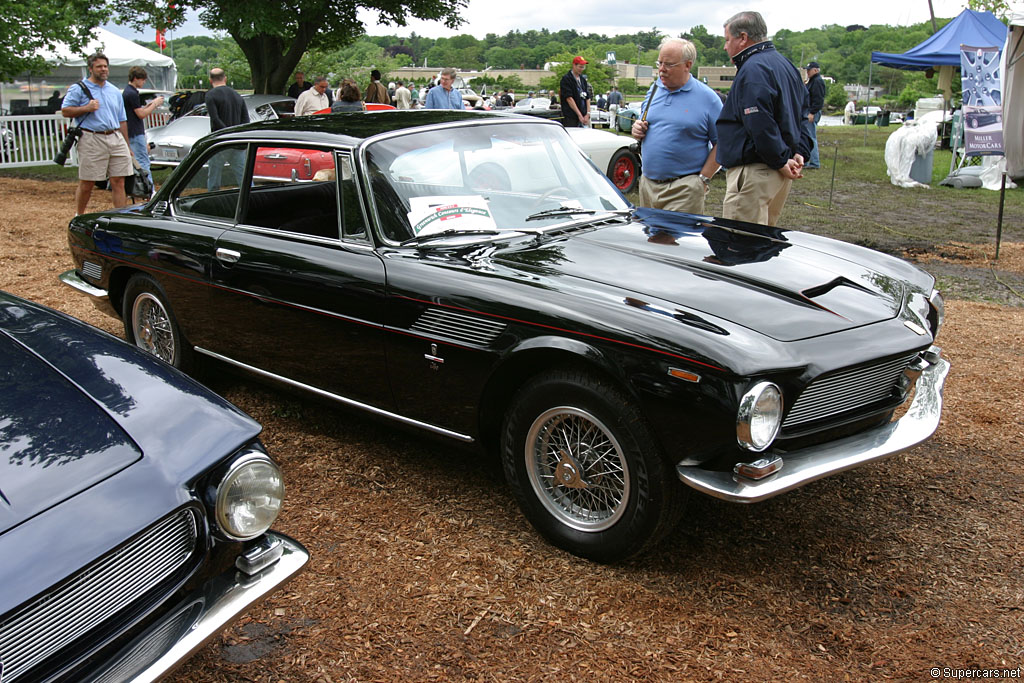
(937, 314)
(759, 417)
(248, 496)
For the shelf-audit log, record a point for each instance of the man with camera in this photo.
(103, 149)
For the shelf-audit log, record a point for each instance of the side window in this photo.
(212, 189)
(354, 225)
(294, 190)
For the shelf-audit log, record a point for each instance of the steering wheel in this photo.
(548, 194)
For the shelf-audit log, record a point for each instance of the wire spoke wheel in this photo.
(150, 323)
(152, 327)
(577, 468)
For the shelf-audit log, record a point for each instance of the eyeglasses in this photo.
(666, 67)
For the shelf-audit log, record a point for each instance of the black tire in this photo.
(150, 324)
(604, 499)
(624, 170)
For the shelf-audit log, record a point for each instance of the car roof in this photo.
(353, 127)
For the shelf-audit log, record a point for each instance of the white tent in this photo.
(123, 54)
(1013, 97)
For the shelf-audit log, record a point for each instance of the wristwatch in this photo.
(704, 179)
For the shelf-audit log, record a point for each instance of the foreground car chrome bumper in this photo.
(200, 617)
(808, 464)
(100, 297)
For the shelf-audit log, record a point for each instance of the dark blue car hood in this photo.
(78, 406)
(54, 441)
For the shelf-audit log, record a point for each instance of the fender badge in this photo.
(435, 360)
(915, 327)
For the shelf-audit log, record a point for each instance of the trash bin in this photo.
(882, 119)
(921, 169)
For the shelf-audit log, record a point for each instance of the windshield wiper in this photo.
(570, 211)
(446, 233)
(560, 211)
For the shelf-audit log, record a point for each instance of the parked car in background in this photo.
(169, 144)
(475, 276)
(612, 154)
(627, 116)
(135, 505)
(600, 118)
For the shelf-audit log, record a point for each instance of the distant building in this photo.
(717, 77)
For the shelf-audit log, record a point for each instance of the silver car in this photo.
(169, 144)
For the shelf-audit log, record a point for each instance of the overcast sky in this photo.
(671, 17)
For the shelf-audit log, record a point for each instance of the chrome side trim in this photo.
(211, 608)
(335, 397)
(816, 462)
(100, 297)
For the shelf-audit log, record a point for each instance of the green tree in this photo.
(836, 97)
(29, 27)
(275, 34)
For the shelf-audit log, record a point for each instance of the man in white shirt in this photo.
(403, 98)
(314, 99)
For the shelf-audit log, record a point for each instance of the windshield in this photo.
(490, 177)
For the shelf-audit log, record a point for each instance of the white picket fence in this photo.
(37, 138)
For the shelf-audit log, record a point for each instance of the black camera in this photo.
(61, 157)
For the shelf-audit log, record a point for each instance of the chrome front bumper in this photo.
(100, 297)
(198, 618)
(806, 465)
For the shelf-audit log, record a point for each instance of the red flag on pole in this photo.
(161, 42)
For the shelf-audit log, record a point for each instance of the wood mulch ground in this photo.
(423, 569)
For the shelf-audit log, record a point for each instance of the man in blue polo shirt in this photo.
(444, 96)
(679, 137)
(103, 150)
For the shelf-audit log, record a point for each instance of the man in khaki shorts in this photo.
(103, 150)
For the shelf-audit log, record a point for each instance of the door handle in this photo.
(228, 255)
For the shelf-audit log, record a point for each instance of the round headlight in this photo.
(249, 497)
(759, 417)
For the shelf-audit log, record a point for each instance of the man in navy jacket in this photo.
(761, 139)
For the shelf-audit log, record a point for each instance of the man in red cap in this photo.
(573, 95)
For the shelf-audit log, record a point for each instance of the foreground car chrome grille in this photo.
(56, 619)
(846, 390)
(459, 326)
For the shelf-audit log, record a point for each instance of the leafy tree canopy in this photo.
(29, 27)
(273, 35)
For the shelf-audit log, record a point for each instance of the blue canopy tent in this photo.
(980, 29)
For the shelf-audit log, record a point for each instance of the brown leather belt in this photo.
(102, 132)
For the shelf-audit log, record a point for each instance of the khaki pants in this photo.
(103, 156)
(755, 193)
(682, 194)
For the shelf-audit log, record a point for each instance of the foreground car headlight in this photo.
(249, 497)
(759, 417)
(937, 312)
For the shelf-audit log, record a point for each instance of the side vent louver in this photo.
(458, 326)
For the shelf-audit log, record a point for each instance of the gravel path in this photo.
(423, 568)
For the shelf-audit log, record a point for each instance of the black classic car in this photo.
(474, 275)
(135, 507)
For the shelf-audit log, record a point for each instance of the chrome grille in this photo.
(458, 326)
(846, 390)
(57, 618)
(92, 270)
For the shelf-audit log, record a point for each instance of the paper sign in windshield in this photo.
(434, 214)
